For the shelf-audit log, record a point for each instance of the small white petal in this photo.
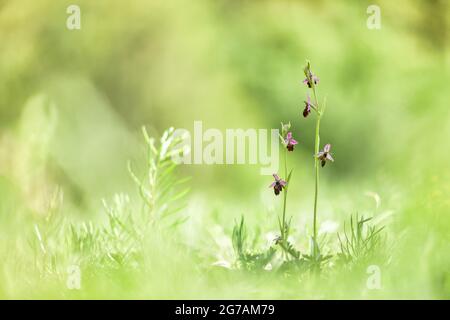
(268, 267)
(375, 196)
(222, 264)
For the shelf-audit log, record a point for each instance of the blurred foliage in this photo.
(72, 104)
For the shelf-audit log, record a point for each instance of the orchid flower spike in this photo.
(325, 155)
(310, 77)
(313, 78)
(290, 142)
(308, 105)
(278, 184)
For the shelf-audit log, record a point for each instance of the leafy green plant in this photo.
(159, 189)
(360, 242)
(46, 234)
(246, 259)
(359, 245)
(320, 157)
(120, 241)
(123, 233)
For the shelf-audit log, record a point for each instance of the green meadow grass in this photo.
(83, 188)
(138, 249)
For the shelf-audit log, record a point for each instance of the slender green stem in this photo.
(316, 166)
(283, 235)
(316, 163)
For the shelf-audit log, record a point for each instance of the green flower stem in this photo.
(316, 166)
(283, 235)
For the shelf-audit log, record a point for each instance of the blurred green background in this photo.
(72, 103)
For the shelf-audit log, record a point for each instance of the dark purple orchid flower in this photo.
(325, 155)
(290, 142)
(278, 184)
(313, 78)
(308, 105)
